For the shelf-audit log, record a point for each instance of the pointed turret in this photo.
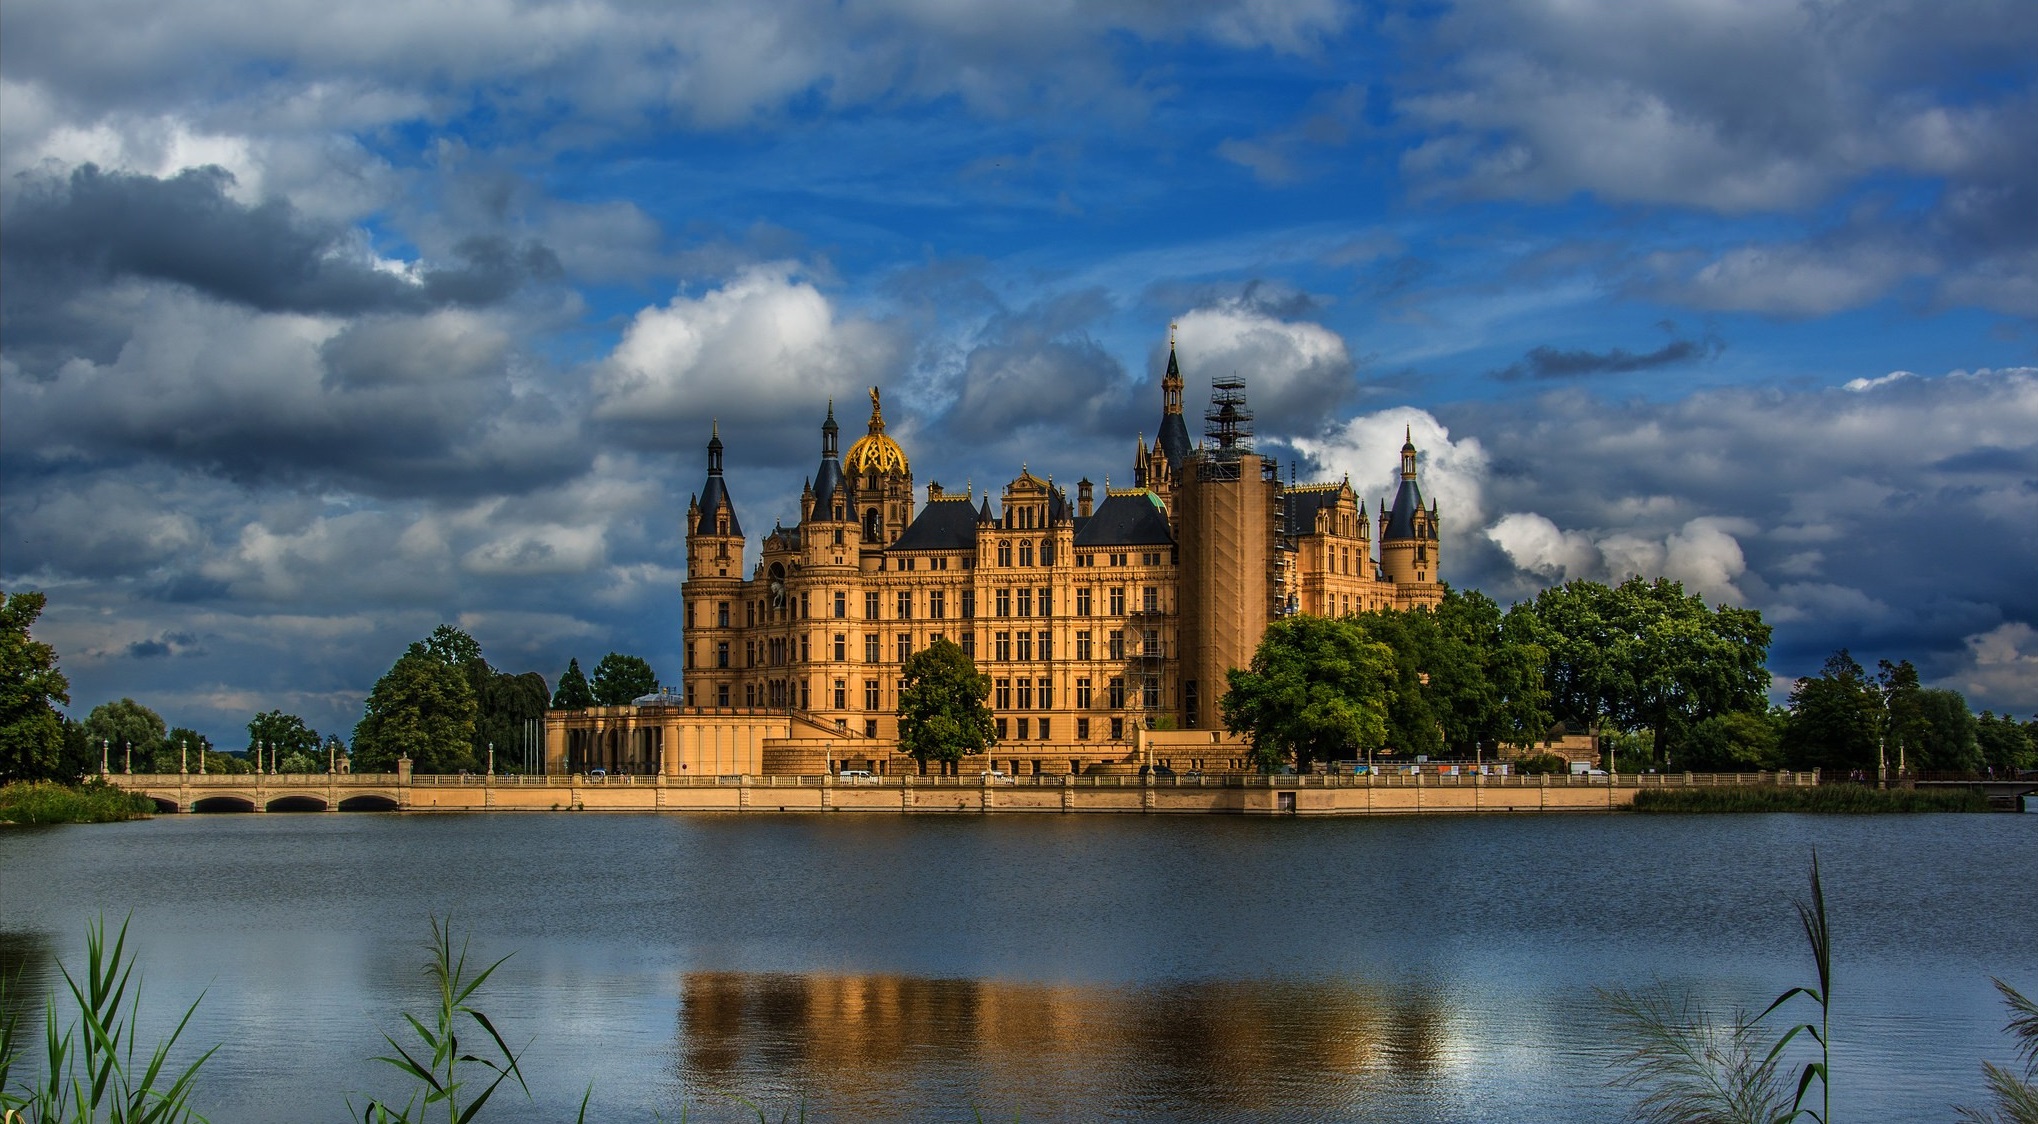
(1173, 439)
(830, 504)
(714, 537)
(1408, 532)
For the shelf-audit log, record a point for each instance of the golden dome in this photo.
(874, 452)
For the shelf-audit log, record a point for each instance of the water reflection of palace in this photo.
(861, 1042)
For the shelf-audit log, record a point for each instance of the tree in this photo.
(1949, 743)
(454, 647)
(1467, 679)
(132, 731)
(1745, 741)
(183, 747)
(1644, 655)
(943, 713)
(294, 746)
(619, 678)
(422, 708)
(574, 692)
(1834, 718)
(2004, 745)
(507, 703)
(1318, 690)
(32, 732)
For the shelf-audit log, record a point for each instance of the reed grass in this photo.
(45, 802)
(1846, 799)
(91, 1071)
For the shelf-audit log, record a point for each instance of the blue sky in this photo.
(320, 324)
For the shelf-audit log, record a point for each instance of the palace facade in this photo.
(1095, 617)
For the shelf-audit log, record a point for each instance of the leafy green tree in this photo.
(1950, 743)
(294, 746)
(1745, 741)
(182, 747)
(507, 703)
(454, 647)
(1318, 690)
(1644, 655)
(32, 732)
(619, 678)
(2004, 745)
(1834, 718)
(574, 692)
(943, 713)
(422, 708)
(130, 729)
(1467, 679)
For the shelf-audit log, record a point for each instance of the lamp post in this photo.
(491, 759)
(105, 747)
(183, 757)
(127, 751)
(332, 758)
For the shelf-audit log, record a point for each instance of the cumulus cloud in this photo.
(1293, 369)
(2002, 664)
(1367, 450)
(766, 342)
(1703, 554)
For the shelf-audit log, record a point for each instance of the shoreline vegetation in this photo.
(47, 802)
(1831, 799)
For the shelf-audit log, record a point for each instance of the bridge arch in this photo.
(297, 802)
(369, 802)
(164, 805)
(206, 804)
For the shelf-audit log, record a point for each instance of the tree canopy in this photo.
(422, 708)
(574, 692)
(1644, 655)
(1467, 679)
(1318, 690)
(943, 710)
(619, 678)
(286, 740)
(32, 731)
(1834, 718)
(130, 731)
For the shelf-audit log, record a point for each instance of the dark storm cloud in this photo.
(1556, 363)
(1840, 513)
(94, 226)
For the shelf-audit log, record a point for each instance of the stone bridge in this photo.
(276, 792)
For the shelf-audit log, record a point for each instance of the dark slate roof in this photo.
(1126, 519)
(827, 482)
(714, 496)
(1407, 501)
(944, 524)
(1174, 439)
(1301, 506)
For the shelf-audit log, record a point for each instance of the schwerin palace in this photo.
(1097, 620)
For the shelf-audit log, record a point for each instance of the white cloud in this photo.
(761, 342)
(1367, 449)
(2002, 664)
(1293, 369)
(1703, 554)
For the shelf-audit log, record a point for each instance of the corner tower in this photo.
(1408, 531)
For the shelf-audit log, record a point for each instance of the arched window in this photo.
(1004, 553)
(1026, 554)
(870, 525)
(1046, 553)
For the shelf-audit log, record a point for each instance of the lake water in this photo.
(1060, 968)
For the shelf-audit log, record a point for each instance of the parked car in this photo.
(1156, 771)
(996, 776)
(597, 774)
(856, 776)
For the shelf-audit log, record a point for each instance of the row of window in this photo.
(1008, 602)
(1006, 647)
